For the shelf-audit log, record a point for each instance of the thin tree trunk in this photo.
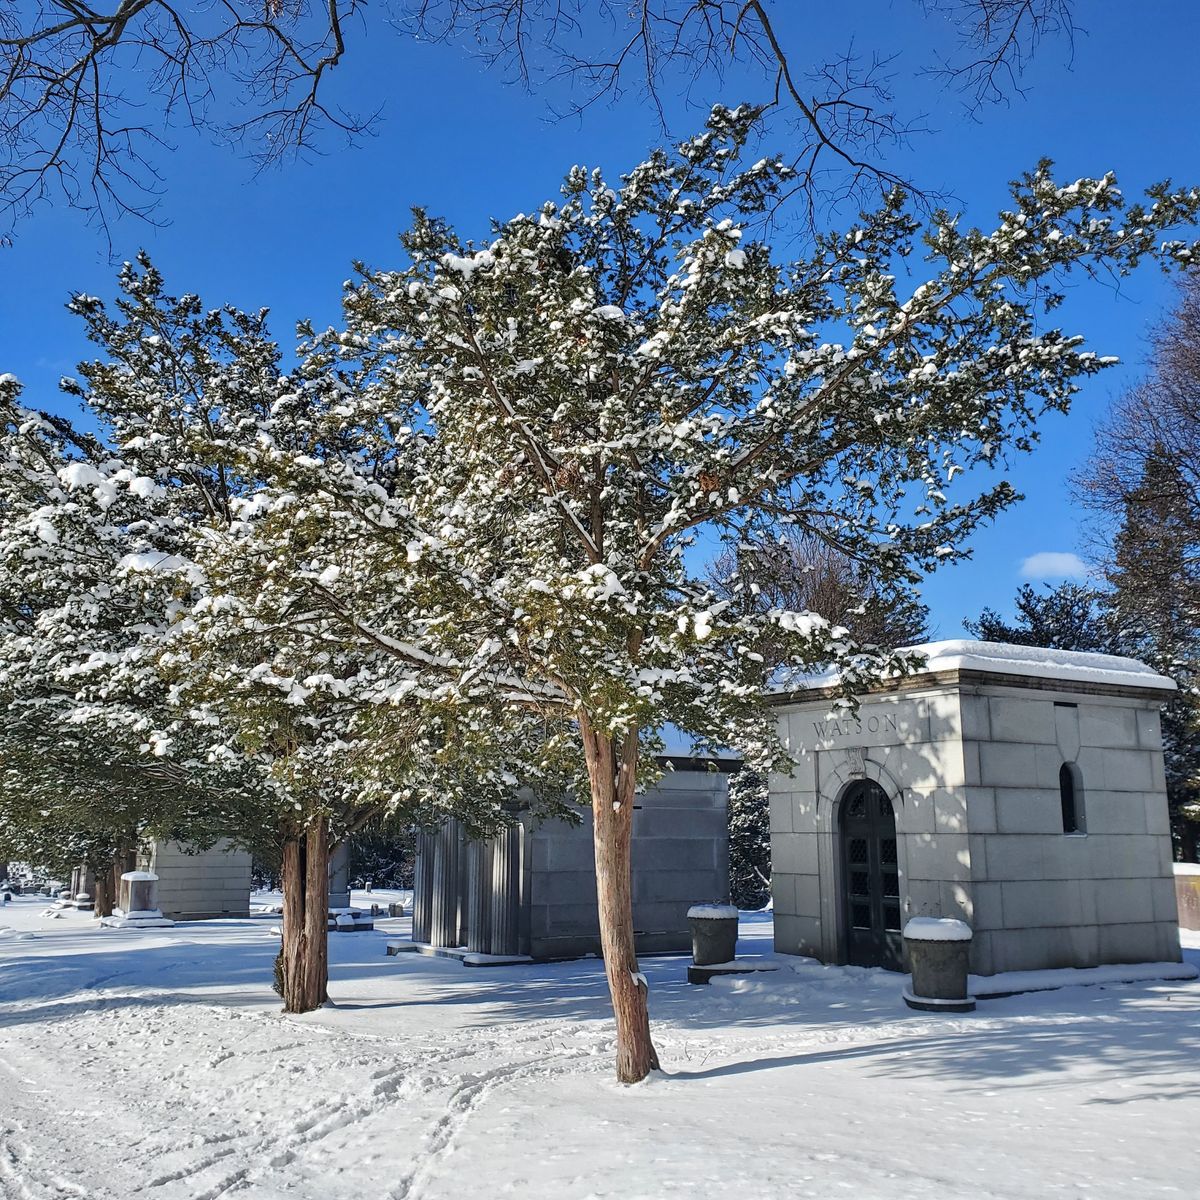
(316, 914)
(1189, 835)
(304, 957)
(291, 874)
(612, 782)
(103, 897)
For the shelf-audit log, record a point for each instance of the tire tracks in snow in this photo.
(204, 1055)
(464, 1100)
(20, 1179)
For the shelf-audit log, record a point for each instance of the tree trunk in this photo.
(304, 957)
(1189, 835)
(103, 897)
(612, 779)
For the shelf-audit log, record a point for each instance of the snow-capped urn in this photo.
(137, 906)
(937, 929)
(939, 952)
(714, 933)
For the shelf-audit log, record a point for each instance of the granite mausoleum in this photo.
(199, 885)
(1019, 790)
(531, 891)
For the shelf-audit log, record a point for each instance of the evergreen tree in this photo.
(607, 377)
(143, 652)
(1156, 597)
(1071, 616)
(82, 778)
(1143, 482)
(749, 839)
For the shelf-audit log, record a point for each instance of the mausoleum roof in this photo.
(1001, 662)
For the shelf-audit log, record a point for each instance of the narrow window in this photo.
(1072, 807)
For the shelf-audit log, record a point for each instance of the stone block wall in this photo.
(1043, 897)
(911, 745)
(680, 858)
(973, 776)
(195, 887)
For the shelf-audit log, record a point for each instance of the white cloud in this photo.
(1054, 564)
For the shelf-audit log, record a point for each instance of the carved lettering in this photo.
(875, 723)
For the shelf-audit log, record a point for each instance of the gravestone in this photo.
(137, 904)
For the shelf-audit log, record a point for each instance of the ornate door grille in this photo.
(870, 878)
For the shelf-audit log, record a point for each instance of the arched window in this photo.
(1071, 795)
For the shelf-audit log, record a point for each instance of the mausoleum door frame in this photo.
(837, 772)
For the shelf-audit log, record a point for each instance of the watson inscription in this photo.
(875, 723)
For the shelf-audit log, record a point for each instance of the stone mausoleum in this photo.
(1017, 789)
(198, 885)
(531, 891)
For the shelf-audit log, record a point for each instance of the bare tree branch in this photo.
(997, 41)
(91, 90)
(73, 128)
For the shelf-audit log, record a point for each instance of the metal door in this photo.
(870, 878)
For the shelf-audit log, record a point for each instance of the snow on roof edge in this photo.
(964, 654)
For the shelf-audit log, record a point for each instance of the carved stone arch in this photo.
(834, 782)
(832, 787)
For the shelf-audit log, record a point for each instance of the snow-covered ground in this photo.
(156, 1063)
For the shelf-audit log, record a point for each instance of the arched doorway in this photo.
(870, 878)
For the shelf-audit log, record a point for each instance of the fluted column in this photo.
(444, 931)
(506, 892)
(479, 896)
(339, 876)
(464, 886)
(422, 920)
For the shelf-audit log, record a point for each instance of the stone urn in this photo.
(714, 933)
(939, 950)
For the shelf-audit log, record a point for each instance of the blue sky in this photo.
(455, 139)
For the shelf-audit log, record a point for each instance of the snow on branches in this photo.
(612, 377)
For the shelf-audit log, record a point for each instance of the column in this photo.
(422, 918)
(464, 887)
(444, 922)
(506, 891)
(339, 876)
(479, 896)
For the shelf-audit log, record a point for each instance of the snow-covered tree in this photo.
(104, 655)
(749, 839)
(1071, 616)
(180, 552)
(84, 711)
(802, 572)
(607, 377)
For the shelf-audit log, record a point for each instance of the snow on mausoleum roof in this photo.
(1003, 658)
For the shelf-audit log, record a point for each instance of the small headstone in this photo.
(139, 892)
(138, 906)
